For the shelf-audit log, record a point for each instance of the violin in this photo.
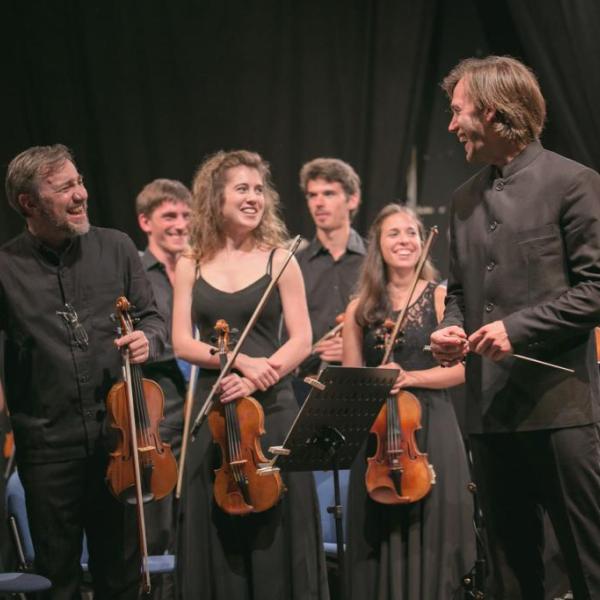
(8, 451)
(333, 332)
(236, 427)
(141, 467)
(8, 447)
(398, 472)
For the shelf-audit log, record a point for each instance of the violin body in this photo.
(141, 468)
(238, 488)
(9, 445)
(398, 473)
(158, 467)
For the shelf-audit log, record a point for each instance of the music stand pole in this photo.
(475, 581)
(330, 439)
(338, 515)
(330, 428)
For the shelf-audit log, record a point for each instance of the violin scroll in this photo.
(383, 334)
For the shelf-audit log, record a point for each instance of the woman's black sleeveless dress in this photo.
(418, 551)
(274, 555)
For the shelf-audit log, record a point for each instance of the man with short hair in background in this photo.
(331, 262)
(163, 210)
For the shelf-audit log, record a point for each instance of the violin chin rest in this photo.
(233, 503)
(385, 495)
(128, 497)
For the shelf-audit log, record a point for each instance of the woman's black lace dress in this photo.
(418, 551)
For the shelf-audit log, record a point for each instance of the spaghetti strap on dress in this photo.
(275, 555)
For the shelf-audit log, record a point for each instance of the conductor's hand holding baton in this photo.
(449, 345)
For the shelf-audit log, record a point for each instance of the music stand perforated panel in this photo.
(349, 404)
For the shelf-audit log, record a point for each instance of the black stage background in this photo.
(143, 89)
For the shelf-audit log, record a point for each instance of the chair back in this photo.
(16, 512)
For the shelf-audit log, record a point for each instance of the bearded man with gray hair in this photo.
(59, 281)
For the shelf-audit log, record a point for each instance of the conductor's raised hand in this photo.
(491, 341)
(449, 345)
(261, 371)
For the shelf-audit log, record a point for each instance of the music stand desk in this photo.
(332, 425)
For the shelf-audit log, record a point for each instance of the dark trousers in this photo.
(64, 499)
(161, 520)
(518, 476)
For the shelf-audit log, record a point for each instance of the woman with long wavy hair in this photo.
(236, 242)
(420, 550)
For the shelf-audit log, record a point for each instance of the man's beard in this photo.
(63, 225)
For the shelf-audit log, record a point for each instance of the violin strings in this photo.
(390, 429)
(233, 440)
(137, 387)
(140, 403)
(229, 440)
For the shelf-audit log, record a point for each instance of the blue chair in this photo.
(19, 526)
(22, 583)
(17, 521)
(325, 492)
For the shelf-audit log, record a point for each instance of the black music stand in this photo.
(330, 428)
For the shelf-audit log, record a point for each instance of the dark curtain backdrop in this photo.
(558, 38)
(143, 89)
(562, 39)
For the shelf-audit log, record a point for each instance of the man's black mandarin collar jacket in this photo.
(525, 249)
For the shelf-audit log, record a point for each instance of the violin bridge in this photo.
(394, 454)
(237, 463)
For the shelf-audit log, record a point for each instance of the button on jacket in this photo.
(56, 384)
(525, 249)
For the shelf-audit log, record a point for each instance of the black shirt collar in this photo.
(51, 254)
(150, 261)
(355, 245)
